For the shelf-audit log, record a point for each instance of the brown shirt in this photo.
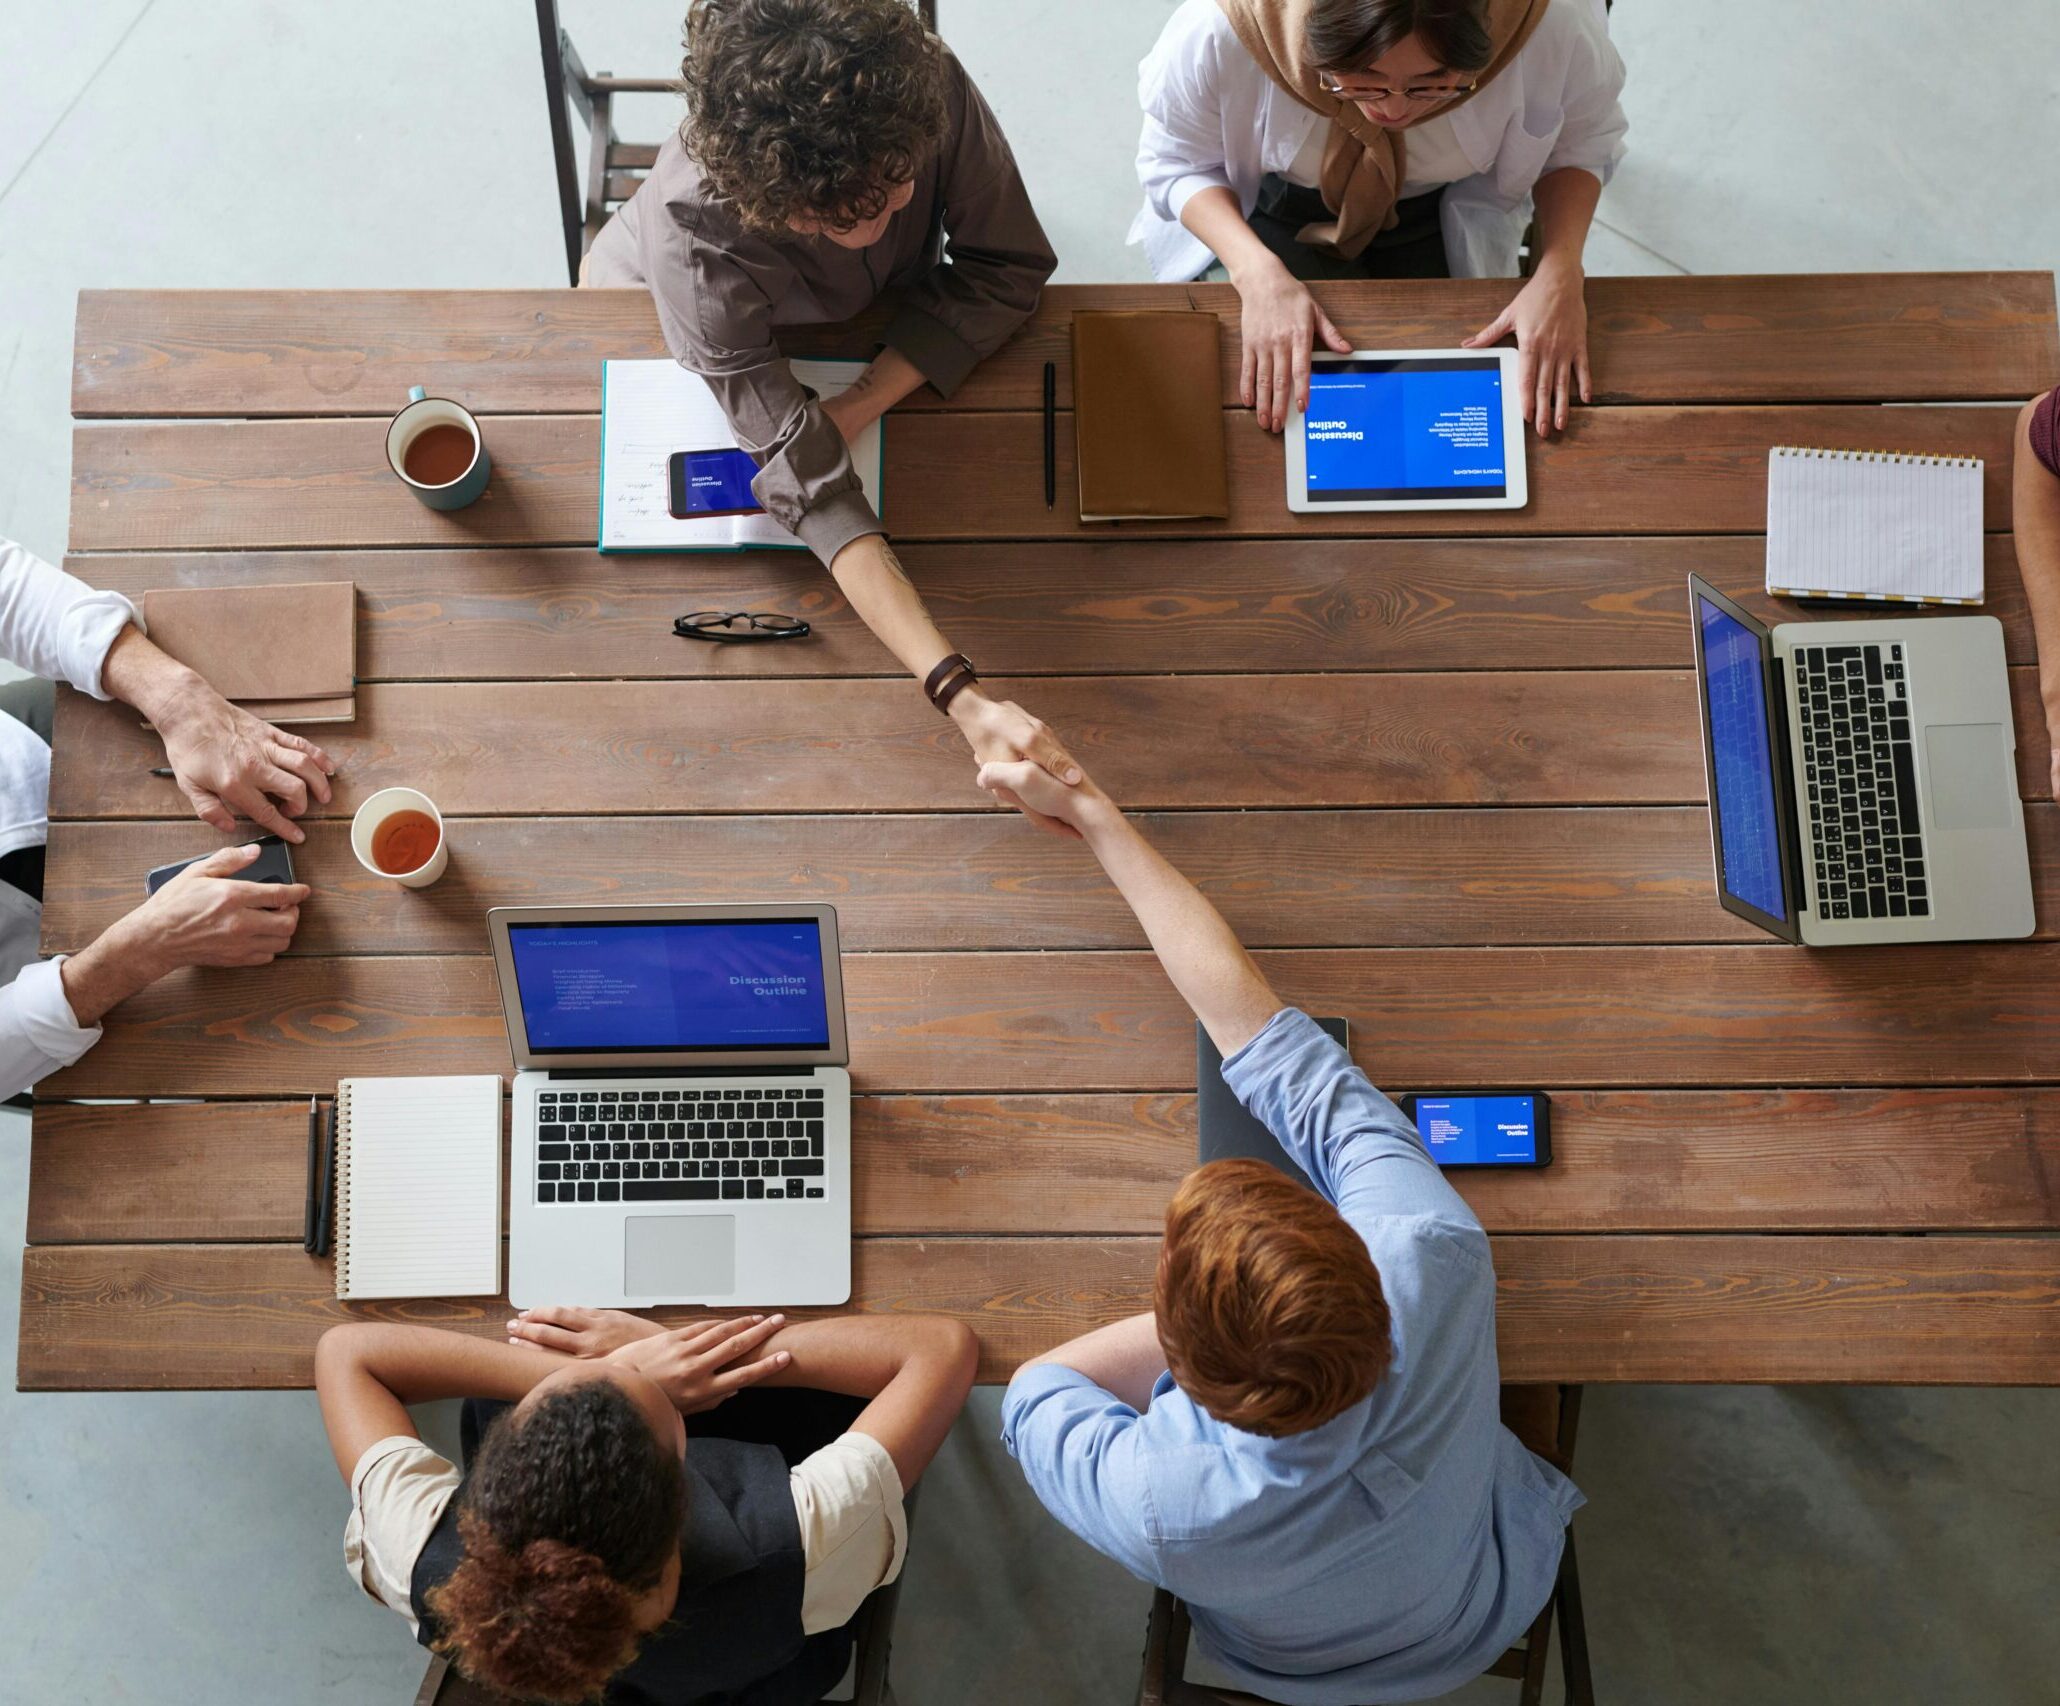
(966, 258)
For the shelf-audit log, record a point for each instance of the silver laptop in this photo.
(1862, 776)
(682, 1124)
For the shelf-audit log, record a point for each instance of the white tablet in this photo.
(1408, 429)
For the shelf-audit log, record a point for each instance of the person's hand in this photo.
(226, 761)
(1281, 322)
(205, 917)
(1550, 319)
(1034, 791)
(583, 1332)
(1001, 730)
(699, 1365)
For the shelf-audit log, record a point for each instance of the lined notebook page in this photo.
(418, 1187)
(650, 409)
(1873, 524)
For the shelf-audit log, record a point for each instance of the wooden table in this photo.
(1443, 772)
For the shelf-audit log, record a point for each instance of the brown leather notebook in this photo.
(1148, 415)
(285, 653)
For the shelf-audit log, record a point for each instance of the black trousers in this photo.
(1414, 247)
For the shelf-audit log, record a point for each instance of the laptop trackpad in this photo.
(679, 1255)
(1970, 775)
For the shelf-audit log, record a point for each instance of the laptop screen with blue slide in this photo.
(1402, 429)
(1745, 796)
(656, 985)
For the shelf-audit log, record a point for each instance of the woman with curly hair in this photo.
(591, 1550)
(834, 152)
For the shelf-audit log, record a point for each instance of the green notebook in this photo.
(649, 410)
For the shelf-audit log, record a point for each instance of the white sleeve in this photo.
(1592, 134)
(1180, 150)
(854, 1532)
(38, 1031)
(55, 625)
(397, 1496)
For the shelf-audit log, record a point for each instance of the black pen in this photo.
(307, 1222)
(326, 1204)
(1051, 434)
(165, 771)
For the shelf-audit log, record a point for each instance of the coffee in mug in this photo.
(399, 833)
(435, 446)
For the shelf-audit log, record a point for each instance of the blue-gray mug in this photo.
(434, 446)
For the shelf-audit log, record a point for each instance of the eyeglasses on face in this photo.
(739, 627)
(1418, 95)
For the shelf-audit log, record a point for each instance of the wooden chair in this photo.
(614, 167)
(1547, 1430)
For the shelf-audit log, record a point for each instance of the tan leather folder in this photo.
(1148, 415)
(285, 653)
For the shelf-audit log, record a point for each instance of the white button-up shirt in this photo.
(1212, 117)
(50, 624)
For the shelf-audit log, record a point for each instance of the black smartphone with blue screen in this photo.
(712, 482)
(1483, 1128)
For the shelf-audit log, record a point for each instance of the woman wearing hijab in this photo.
(1290, 140)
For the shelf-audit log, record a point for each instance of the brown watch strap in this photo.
(952, 689)
(952, 675)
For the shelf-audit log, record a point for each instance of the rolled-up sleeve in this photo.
(996, 255)
(1077, 1446)
(39, 1034)
(1592, 134)
(718, 324)
(398, 1492)
(54, 624)
(854, 1528)
(1180, 149)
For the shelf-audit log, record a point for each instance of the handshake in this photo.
(1024, 765)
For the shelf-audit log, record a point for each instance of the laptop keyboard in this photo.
(1866, 836)
(743, 1145)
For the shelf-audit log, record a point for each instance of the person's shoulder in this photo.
(1573, 34)
(1198, 45)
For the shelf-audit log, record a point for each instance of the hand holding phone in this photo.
(274, 864)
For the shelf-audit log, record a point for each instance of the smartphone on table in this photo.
(1484, 1128)
(711, 482)
(272, 865)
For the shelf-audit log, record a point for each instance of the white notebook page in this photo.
(1874, 524)
(419, 1209)
(651, 409)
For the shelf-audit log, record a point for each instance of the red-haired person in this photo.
(1302, 1440)
(597, 1546)
(2037, 519)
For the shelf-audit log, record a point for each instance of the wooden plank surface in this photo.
(1057, 608)
(1978, 1311)
(1859, 338)
(1535, 738)
(1338, 880)
(1623, 1161)
(324, 483)
(1972, 1014)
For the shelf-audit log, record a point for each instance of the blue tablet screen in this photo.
(1429, 428)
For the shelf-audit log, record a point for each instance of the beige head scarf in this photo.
(1362, 161)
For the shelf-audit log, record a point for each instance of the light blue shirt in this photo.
(1392, 1553)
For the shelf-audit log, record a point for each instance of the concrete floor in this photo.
(1741, 1544)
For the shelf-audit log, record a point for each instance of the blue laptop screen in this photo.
(1430, 428)
(644, 985)
(1734, 685)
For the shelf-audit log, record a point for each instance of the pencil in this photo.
(1051, 434)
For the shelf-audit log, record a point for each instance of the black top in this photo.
(734, 1637)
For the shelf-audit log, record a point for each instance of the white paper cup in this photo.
(376, 811)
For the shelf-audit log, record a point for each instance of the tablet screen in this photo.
(1402, 429)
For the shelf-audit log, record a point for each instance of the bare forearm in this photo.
(1565, 205)
(885, 380)
(366, 1376)
(1124, 1358)
(886, 600)
(2036, 510)
(139, 674)
(916, 1371)
(1206, 962)
(1214, 216)
(108, 970)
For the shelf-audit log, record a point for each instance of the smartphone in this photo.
(712, 482)
(274, 864)
(1484, 1128)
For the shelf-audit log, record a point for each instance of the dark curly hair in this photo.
(570, 1512)
(815, 108)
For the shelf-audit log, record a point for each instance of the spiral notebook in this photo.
(418, 1187)
(1885, 526)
